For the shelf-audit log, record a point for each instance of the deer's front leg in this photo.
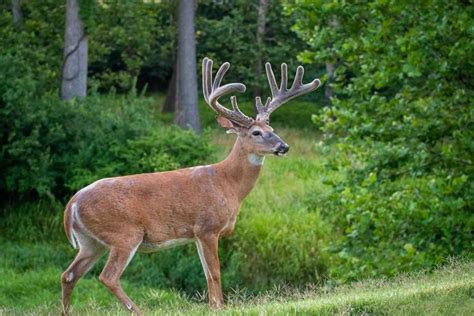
(208, 253)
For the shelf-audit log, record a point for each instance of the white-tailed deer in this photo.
(153, 211)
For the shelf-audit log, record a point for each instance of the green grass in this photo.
(446, 291)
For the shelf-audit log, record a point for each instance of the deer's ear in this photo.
(231, 127)
(226, 123)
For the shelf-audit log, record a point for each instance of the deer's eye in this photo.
(257, 133)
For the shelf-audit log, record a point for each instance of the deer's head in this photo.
(257, 135)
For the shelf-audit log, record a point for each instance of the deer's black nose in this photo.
(282, 149)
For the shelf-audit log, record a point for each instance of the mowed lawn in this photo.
(30, 270)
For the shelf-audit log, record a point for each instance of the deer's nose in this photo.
(282, 149)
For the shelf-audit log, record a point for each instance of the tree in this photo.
(261, 21)
(187, 111)
(330, 65)
(17, 14)
(172, 93)
(219, 22)
(74, 77)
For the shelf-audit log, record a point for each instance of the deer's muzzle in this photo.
(282, 149)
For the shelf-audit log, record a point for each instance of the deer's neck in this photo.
(242, 169)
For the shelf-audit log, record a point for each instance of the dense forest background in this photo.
(380, 182)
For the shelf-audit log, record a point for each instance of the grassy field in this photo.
(34, 252)
(446, 291)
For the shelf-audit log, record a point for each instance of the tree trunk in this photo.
(17, 14)
(187, 111)
(172, 93)
(261, 21)
(74, 78)
(330, 65)
(328, 91)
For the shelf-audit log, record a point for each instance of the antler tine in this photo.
(298, 77)
(282, 95)
(271, 79)
(284, 77)
(213, 91)
(220, 74)
(259, 105)
(206, 78)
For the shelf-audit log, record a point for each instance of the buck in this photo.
(153, 211)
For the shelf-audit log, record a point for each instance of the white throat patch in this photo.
(255, 160)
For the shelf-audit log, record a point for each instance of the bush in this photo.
(52, 148)
(127, 140)
(403, 119)
(385, 226)
(60, 147)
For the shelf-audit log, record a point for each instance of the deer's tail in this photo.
(69, 215)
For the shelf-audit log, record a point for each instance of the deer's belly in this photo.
(147, 246)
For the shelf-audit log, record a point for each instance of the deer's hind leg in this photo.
(119, 258)
(90, 251)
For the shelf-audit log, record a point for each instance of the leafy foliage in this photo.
(404, 116)
(61, 147)
(237, 20)
(51, 148)
(128, 39)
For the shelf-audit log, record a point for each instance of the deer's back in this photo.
(159, 207)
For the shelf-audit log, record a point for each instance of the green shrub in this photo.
(128, 39)
(386, 226)
(128, 141)
(60, 147)
(402, 116)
